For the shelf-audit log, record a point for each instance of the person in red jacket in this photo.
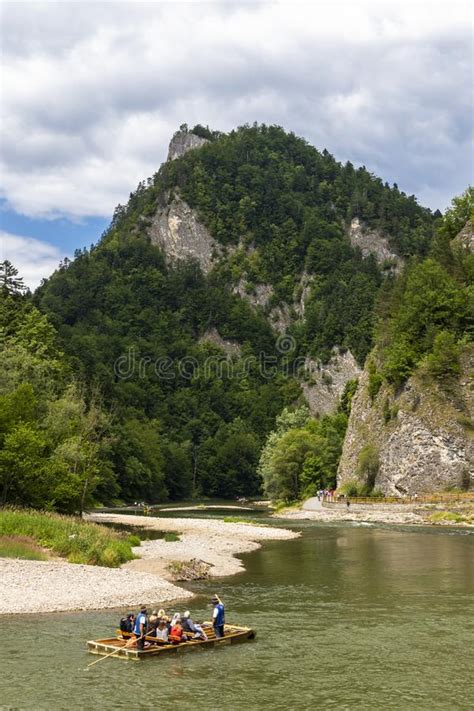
(177, 634)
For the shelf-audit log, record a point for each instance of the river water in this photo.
(347, 617)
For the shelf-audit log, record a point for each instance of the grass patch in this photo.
(286, 506)
(449, 517)
(236, 519)
(20, 547)
(171, 537)
(69, 537)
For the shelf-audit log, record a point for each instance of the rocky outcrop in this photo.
(373, 242)
(326, 383)
(212, 335)
(182, 142)
(303, 291)
(465, 238)
(177, 230)
(421, 436)
(258, 294)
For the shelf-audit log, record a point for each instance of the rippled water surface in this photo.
(347, 617)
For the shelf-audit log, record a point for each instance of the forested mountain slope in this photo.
(247, 275)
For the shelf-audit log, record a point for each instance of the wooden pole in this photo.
(132, 639)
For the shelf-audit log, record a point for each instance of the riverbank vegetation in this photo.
(68, 537)
(21, 547)
(301, 455)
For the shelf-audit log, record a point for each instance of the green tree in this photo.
(10, 283)
(444, 359)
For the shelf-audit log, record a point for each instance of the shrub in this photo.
(350, 488)
(444, 359)
(368, 464)
(375, 381)
(171, 537)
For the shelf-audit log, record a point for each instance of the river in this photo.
(347, 617)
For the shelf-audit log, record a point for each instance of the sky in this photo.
(92, 92)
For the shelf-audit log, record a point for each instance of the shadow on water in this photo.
(347, 617)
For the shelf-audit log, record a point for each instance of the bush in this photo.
(350, 488)
(171, 537)
(375, 381)
(444, 360)
(356, 488)
(368, 464)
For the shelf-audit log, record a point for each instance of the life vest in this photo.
(219, 620)
(141, 619)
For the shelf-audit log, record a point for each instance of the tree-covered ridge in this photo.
(284, 208)
(427, 315)
(174, 433)
(256, 179)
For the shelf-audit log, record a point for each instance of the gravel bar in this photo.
(28, 586)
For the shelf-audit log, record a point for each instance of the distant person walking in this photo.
(218, 616)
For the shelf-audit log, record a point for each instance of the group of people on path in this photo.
(326, 494)
(178, 628)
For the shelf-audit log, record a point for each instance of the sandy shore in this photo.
(53, 586)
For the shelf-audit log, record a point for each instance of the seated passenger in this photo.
(162, 631)
(190, 626)
(153, 621)
(126, 624)
(177, 632)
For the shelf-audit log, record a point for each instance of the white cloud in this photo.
(34, 259)
(93, 91)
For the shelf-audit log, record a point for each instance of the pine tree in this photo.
(10, 283)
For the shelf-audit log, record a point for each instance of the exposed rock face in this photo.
(280, 318)
(283, 315)
(177, 230)
(304, 289)
(182, 142)
(258, 295)
(425, 445)
(372, 242)
(212, 335)
(327, 382)
(465, 238)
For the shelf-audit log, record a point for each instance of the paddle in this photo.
(132, 639)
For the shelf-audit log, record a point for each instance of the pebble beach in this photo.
(28, 586)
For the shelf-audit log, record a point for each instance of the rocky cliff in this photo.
(182, 142)
(373, 242)
(416, 440)
(325, 383)
(176, 228)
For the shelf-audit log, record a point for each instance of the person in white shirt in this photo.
(162, 631)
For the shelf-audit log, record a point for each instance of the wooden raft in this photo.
(117, 646)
